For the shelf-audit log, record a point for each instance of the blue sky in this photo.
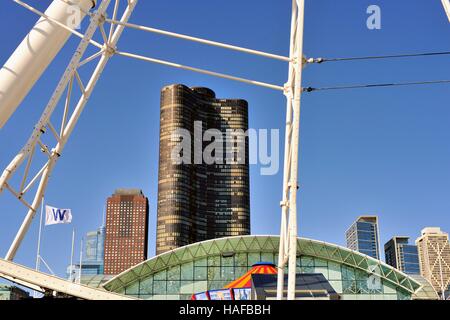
(376, 151)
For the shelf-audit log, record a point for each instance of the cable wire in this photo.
(395, 56)
(377, 85)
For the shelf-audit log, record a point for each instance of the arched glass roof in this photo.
(223, 246)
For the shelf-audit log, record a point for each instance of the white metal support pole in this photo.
(295, 147)
(282, 256)
(39, 129)
(38, 251)
(71, 256)
(293, 91)
(81, 261)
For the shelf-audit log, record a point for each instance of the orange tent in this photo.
(246, 280)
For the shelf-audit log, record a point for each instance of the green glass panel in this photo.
(200, 286)
(138, 269)
(307, 261)
(173, 287)
(253, 258)
(200, 273)
(201, 252)
(361, 275)
(321, 251)
(234, 243)
(241, 260)
(403, 295)
(145, 270)
(190, 253)
(173, 273)
(214, 261)
(267, 257)
(322, 270)
(268, 245)
(214, 249)
(146, 286)
(203, 262)
(206, 245)
(214, 285)
(227, 273)
(227, 247)
(159, 287)
(247, 241)
(161, 275)
(348, 273)
(159, 264)
(349, 286)
(132, 289)
(334, 271)
(306, 269)
(227, 261)
(187, 271)
(187, 287)
(337, 285)
(173, 260)
(214, 273)
(254, 245)
(320, 262)
(241, 246)
(388, 287)
(240, 271)
(361, 287)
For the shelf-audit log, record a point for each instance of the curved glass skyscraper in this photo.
(206, 195)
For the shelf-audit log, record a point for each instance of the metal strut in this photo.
(288, 233)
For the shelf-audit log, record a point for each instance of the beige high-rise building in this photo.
(434, 258)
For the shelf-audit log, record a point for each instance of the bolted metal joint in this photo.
(109, 49)
(284, 204)
(287, 90)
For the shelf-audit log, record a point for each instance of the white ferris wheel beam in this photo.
(200, 40)
(42, 282)
(67, 125)
(288, 232)
(32, 57)
(198, 70)
(446, 4)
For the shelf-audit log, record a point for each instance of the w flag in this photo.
(57, 216)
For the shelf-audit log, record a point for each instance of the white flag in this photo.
(57, 216)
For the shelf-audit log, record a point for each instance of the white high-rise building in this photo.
(434, 258)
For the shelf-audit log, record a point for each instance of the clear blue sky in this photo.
(377, 151)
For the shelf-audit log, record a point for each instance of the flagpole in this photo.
(81, 257)
(38, 251)
(71, 256)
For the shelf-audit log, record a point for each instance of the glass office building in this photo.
(402, 255)
(212, 264)
(93, 261)
(362, 236)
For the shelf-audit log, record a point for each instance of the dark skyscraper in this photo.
(362, 236)
(402, 255)
(199, 200)
(126, 230)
